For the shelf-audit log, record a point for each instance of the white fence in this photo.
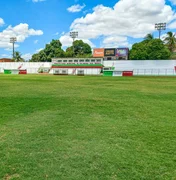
(154, 72)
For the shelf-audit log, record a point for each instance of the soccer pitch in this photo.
(67, 127)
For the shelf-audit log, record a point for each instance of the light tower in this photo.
(13, 40)
(160, 27)
(73, 35)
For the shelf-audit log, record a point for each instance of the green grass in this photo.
(54, 127)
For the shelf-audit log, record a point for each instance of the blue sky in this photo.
(100, 23)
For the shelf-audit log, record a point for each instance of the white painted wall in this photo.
(72, 71)
(145, 67)
(31, 67)
(141, 64)
(139, 67)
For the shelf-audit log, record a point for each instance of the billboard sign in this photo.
(98, 52)
(121, 52)
(110, 52)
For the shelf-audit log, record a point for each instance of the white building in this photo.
(93, 66)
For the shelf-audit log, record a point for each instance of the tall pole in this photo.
(73, 35)
(159, 34)
(13, 50)
(13, 40)
(73, 47)
(160, 27)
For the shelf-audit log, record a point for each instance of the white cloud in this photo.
(56, 34)
(27, 56)
(128, 17)
(132, 18)
(1, 22)
(63, 33)
(111, 39)
(117, 44)
(38, 50)
(76, 8)
(5, 55)
(66, 40)
(7, 45)
(36, 41)
(172, 25)
(21, 32)
(59, 34)
(163, 36)
(37, 1)
(10, 49)
(173, 2)
(115, 41)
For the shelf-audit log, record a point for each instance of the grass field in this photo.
(77, 128)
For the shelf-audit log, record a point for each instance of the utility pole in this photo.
(73, 35)
(160, 27)
(13, 40)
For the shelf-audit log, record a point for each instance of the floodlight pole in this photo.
(73, 35)
(159, 30)
(13, 40)
(160, 27)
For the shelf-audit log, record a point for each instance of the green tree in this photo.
(17, 57)
(51, 50)
(35, 58)
(170, 41)
(149, 37)
(69, 52)
(79, 49)
(157, 50)
(43, 57)
(149, 50)
(39, 57)
(173, 56)
(139, 51)
(54, 49)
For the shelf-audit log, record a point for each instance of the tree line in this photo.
(148, 49)
(154, 49)
(54, 50)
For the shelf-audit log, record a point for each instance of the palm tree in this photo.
(149, 37)
(170, 41)
(17, 57)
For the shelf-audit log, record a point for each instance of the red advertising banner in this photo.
(98, 52)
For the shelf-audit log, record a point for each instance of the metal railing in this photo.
(154, 72)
